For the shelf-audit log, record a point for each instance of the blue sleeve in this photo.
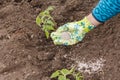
(106, 9)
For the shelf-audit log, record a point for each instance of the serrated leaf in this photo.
(55, 74)
(47, 34)
(47, 21)
(61, 77)
(65, 72)
(38, 21)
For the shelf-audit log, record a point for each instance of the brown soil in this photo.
(25, 53)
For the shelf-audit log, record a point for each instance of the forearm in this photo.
(92, 20)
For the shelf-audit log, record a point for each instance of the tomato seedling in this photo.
(62, 74)
(46, 21)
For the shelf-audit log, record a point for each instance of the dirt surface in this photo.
(26, 54)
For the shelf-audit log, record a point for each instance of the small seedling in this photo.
(62, 74)
(46, 21)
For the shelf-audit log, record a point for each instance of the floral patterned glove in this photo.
(71, 33)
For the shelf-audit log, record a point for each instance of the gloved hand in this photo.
(71, 33)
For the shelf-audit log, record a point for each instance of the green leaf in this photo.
(72, 70)
(78, 77)
(50, 8)
(67, 79)
(65, 72)
(42, 18)
(55, 74)
(47, 33)
(47, 21)
(38, 20)
(49, 27)
(50, 22)
(47, 13)
(42, 13)
(61, 77)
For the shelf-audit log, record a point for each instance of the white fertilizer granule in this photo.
(90, 66)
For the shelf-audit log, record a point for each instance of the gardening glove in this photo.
(71, 33)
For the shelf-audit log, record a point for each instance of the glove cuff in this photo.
(86, 24)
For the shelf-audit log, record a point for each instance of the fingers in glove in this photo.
(63, 28)
(64, 42)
